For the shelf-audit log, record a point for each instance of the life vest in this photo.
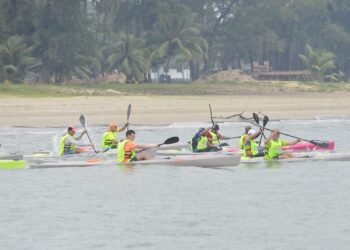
(108, 138)
(241, 141)
(251, 149)
(125, 156)
(274, 149)
(64, 149)
(202, 143)
(214, 138)
(199, 143)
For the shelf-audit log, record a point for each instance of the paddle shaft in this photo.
(82, 121)
(93, 147)
(128, 116)
(292, 136)
(212, 121)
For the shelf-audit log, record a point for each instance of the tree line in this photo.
(55, 40)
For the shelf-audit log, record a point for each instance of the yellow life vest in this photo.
(63, 147)
(124, 156)
(214, 138)
(108, 138)
(202, 143)
(251, 150)
(274, 149)
(241, 141)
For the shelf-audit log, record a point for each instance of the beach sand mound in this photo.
(228, 76)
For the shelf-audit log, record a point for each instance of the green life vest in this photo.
(202, 143)
(241, 141)
(63, 147)
(251, 150)
(214, 138)
(274, 149)
(108, 138)
(124, 156)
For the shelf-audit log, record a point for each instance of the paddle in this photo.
(82, 121)
(257, 120)
(168, 141)
(212, 121)
(128, 116)
(265, 121)
(320, 144)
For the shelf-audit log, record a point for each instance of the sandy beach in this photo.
(62, 111)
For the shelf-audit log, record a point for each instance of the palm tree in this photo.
(15, 60)
(128, 56)
(318, 62)
(176, 35)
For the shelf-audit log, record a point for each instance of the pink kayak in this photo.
(308, 146)
(301, 146)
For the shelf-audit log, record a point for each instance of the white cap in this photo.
(251, 132)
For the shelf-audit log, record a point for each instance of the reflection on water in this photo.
(259, 206)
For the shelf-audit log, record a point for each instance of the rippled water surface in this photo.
(283, 206)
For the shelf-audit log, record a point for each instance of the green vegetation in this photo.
(186, 89)
(57, 41)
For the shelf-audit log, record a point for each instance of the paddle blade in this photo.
(256, 118)
(320, 144)
(172, 140)
(82, 120)
(265, 120)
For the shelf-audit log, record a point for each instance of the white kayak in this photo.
(212, 161)
(302, 157)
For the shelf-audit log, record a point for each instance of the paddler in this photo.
(109, 139)
(200, 142)
(214, 136)
(129, 151)
(243, 137)
(274, 146)
(70, 144)
(251, 148)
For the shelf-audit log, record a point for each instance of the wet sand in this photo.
(62, 111)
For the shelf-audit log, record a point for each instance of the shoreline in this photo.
(165, 110)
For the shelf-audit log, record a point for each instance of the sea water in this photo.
(304, 205)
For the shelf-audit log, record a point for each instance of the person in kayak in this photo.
(214, 136)
(69, 143)
(251, 148)
(129, 151)
(274, 146)
(200, 143)
(109, 138)
(243, 137)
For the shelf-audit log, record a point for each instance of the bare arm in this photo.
(123, 128)
(146, 146)
(77, 138)
(71, 140)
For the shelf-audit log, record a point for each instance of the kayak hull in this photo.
(302, 158)
(212, 161)
(12, 164)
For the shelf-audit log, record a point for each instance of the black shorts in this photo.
(134, 159)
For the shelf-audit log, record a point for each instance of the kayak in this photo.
(12, 161)
(299, 147)
(308, 146)
(302, 157)
(12, 164)
(212, 161)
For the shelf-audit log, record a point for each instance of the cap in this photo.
(216, 127)
(251, 132)
(201, 129)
